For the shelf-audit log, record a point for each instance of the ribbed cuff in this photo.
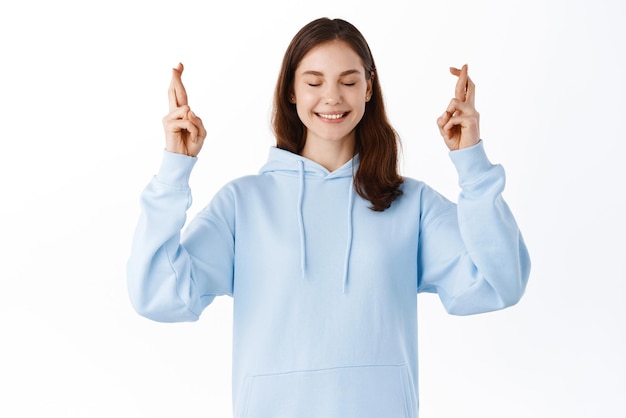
(176, 169)
(471, 162)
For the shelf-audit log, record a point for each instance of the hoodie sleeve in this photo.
(173, 277)
(472, 254)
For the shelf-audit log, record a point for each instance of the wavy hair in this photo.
(376, 179)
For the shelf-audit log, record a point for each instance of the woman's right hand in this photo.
(184, 131)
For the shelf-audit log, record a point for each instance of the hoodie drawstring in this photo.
(346, 263)
(303, 263)
(301, 222)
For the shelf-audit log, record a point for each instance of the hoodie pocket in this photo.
(360, 391)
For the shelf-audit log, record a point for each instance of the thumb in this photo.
(198, 123)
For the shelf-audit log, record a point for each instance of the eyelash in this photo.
(345, 84)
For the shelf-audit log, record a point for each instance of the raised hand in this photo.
(184, 131)
(459, 123)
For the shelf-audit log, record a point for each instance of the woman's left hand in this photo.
(459, 123)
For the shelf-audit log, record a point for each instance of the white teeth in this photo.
(335, 116)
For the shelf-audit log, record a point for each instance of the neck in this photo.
(330, 154)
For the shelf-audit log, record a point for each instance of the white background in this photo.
(84, 88)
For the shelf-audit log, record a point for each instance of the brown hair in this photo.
(377, 178)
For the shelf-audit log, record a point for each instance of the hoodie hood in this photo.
(287, 163)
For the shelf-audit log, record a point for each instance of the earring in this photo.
(293, 99)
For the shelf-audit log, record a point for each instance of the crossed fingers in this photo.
(184, 131)
(177, 94)
(459, 123)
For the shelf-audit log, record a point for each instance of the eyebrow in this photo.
(319, 74)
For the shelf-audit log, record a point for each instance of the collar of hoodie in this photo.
(296, 165)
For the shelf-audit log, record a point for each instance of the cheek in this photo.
(303, 110)
(305, 103)
(306, 98)
(301, 113)
(359, 103)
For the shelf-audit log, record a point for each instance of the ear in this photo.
(369, 90)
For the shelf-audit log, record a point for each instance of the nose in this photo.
(332, 96)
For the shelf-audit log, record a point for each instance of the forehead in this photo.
(331, 57)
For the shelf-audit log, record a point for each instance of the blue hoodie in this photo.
(324, 288)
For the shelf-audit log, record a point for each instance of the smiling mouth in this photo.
(332, 116)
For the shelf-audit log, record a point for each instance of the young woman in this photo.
(325, 250)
